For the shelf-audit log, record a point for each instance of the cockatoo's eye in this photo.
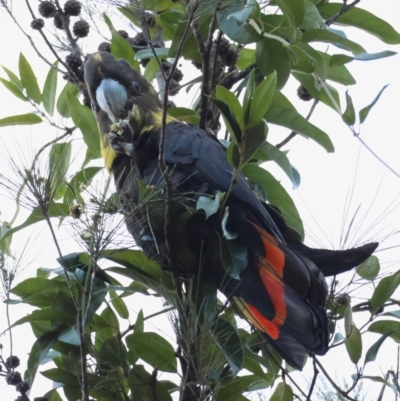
(135, 88)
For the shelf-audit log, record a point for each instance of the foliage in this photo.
(246, 50)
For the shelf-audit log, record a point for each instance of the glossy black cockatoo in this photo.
(282, 290)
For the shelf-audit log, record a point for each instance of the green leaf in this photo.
(365, 111)
(78, 183)
(248, 96)
(246, 58)
(183, 114)
(301, 60)
(349, 115)
(293, 10)
(327, 36)
(144, 387)
(362, 19)
(22, 119)
(85, 120)
(49, 89)
(262, 98)
(151, 70)
(59, 160)
(153, 349)
(38, 352)
(341, 75)
(13, 78)
(283, 392)
(63, 100)
(5, 244)
(372, 352)
(227, 339)
(14, 89)
(29, 80)
(232, 101)
(46, 315)
(120, 48)
(369, 269)
(272, 56)
(268, 152)
(354, 345)
(240, 33)
(55, 210)
(384, 290)
(230, 119)
(276, 195)
(282, 112)
(390, 327)
(139, 324)
(119, 305)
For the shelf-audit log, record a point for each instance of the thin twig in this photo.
(346, 7)
(314, 379)
(334, 385)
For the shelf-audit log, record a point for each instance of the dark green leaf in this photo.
(283, 392)
(139, 267)
(227, 339)
(372, 352)
(354, 345)
(29, 80)
(49, 89)
(293, 10)
(113, 352)
(362, 19)
(349, 115)
(248, 95)
(246, 58)
(369, 269)
(365, 111)
(272, 56)
(22, 119)
(144, 387)
(276, 195)
(341, 75)
(46, 315)
(327, 36)
(239, 385)
(120, 48)
(63, 100)
(384, 290)
(387, 326)
(231, 123)
(62, 376)
(151, 70)
(153, 349)
(38, 352)
(282, 112)
(85, 120)
(14, 89)
(262, 98)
